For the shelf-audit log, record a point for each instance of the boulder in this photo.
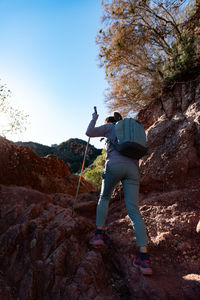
(21, 166)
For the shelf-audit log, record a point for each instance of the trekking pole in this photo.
(83, 164)
(120, 192)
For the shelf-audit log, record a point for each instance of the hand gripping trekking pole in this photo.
(83, 164)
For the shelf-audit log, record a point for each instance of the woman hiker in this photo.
(125, 169)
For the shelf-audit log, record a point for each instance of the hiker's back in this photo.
(131, 138)
(114, 156)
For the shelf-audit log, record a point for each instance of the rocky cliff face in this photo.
(45, 252)
(71, 152)
(173, 132)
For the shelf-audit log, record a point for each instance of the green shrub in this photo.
(93, 172)
(183, 57)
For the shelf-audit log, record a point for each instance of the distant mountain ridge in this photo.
(70, 151)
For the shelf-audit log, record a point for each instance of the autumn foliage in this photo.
(143, 44)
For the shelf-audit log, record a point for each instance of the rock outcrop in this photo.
(173, 131)
(21, 166)
(45, 252)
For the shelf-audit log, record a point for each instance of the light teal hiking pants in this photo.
(128, 174)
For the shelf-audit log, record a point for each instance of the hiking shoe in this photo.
(97, 240)
(143, 265)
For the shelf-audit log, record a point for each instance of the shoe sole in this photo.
(143, 271)
(97, 244)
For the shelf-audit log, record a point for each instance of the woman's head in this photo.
(113, 119)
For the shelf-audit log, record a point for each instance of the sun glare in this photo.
(194, 277)
(4, 122)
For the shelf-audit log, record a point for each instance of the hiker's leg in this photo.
(131, 194)
(143, 249)
(109, 181)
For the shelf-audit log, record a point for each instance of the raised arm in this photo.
(93, 131)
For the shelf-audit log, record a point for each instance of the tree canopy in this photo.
(141, 44)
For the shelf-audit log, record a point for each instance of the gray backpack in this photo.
(131, 138)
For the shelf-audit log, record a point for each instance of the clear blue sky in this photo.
(49, 60)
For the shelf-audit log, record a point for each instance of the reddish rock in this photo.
(45, 252)
(173, 140)
(6, 292)
(150, 114)
(21, 166)
(174, 245)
